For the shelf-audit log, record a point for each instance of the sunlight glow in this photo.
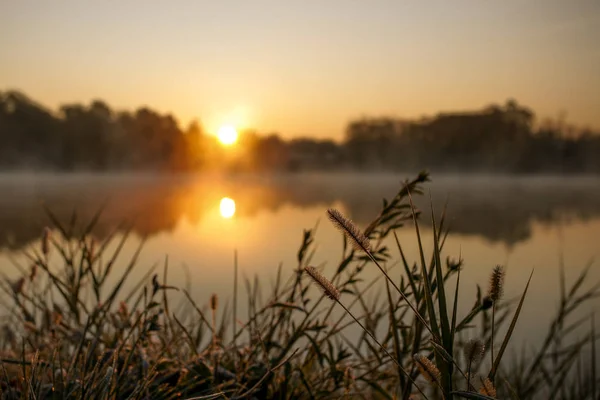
(227, 207)
(227, 135)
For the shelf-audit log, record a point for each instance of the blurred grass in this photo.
(70, 334)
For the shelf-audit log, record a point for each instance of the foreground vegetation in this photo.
(71, 331)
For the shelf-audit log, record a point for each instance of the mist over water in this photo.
(498, 209)
(521, 222)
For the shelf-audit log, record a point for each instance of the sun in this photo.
(227, 207)
(227, 135)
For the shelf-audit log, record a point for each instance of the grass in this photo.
(71, 331)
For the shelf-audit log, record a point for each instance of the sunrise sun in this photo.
(227, 135)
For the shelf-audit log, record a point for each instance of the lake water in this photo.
(524, 223)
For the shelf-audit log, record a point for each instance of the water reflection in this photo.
(498, 210)
(227, 207)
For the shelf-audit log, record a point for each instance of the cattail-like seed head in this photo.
(358, 239)
(496, 283)
(487, 388)
(328, 288)
(427, 368)
(474, 349)
(46, 241)
(214, 301)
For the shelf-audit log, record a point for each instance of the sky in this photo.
(305, 67)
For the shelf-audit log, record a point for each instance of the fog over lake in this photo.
(522, 222)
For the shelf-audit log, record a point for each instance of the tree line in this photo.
(504, 139)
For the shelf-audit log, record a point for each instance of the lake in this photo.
(524, 223)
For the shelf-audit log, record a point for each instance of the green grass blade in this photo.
(442, 365)
(455, 308)
(447, 367)
(439, 277)
(409, 275)
(426, 282)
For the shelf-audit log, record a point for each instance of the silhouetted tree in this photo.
(94, 137)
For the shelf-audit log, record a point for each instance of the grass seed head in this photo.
(474, 349)
(496, 283)
(427, 368)
(328, 288)
(348, 228)
(214, 301)
(487, 388)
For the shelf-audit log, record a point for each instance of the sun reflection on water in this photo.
(227, 207)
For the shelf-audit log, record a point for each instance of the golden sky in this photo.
(305, 67)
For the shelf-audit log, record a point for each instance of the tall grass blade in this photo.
(425, 276)
(409, 274)
(455, 307)
(394, 329)
(443, 309)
